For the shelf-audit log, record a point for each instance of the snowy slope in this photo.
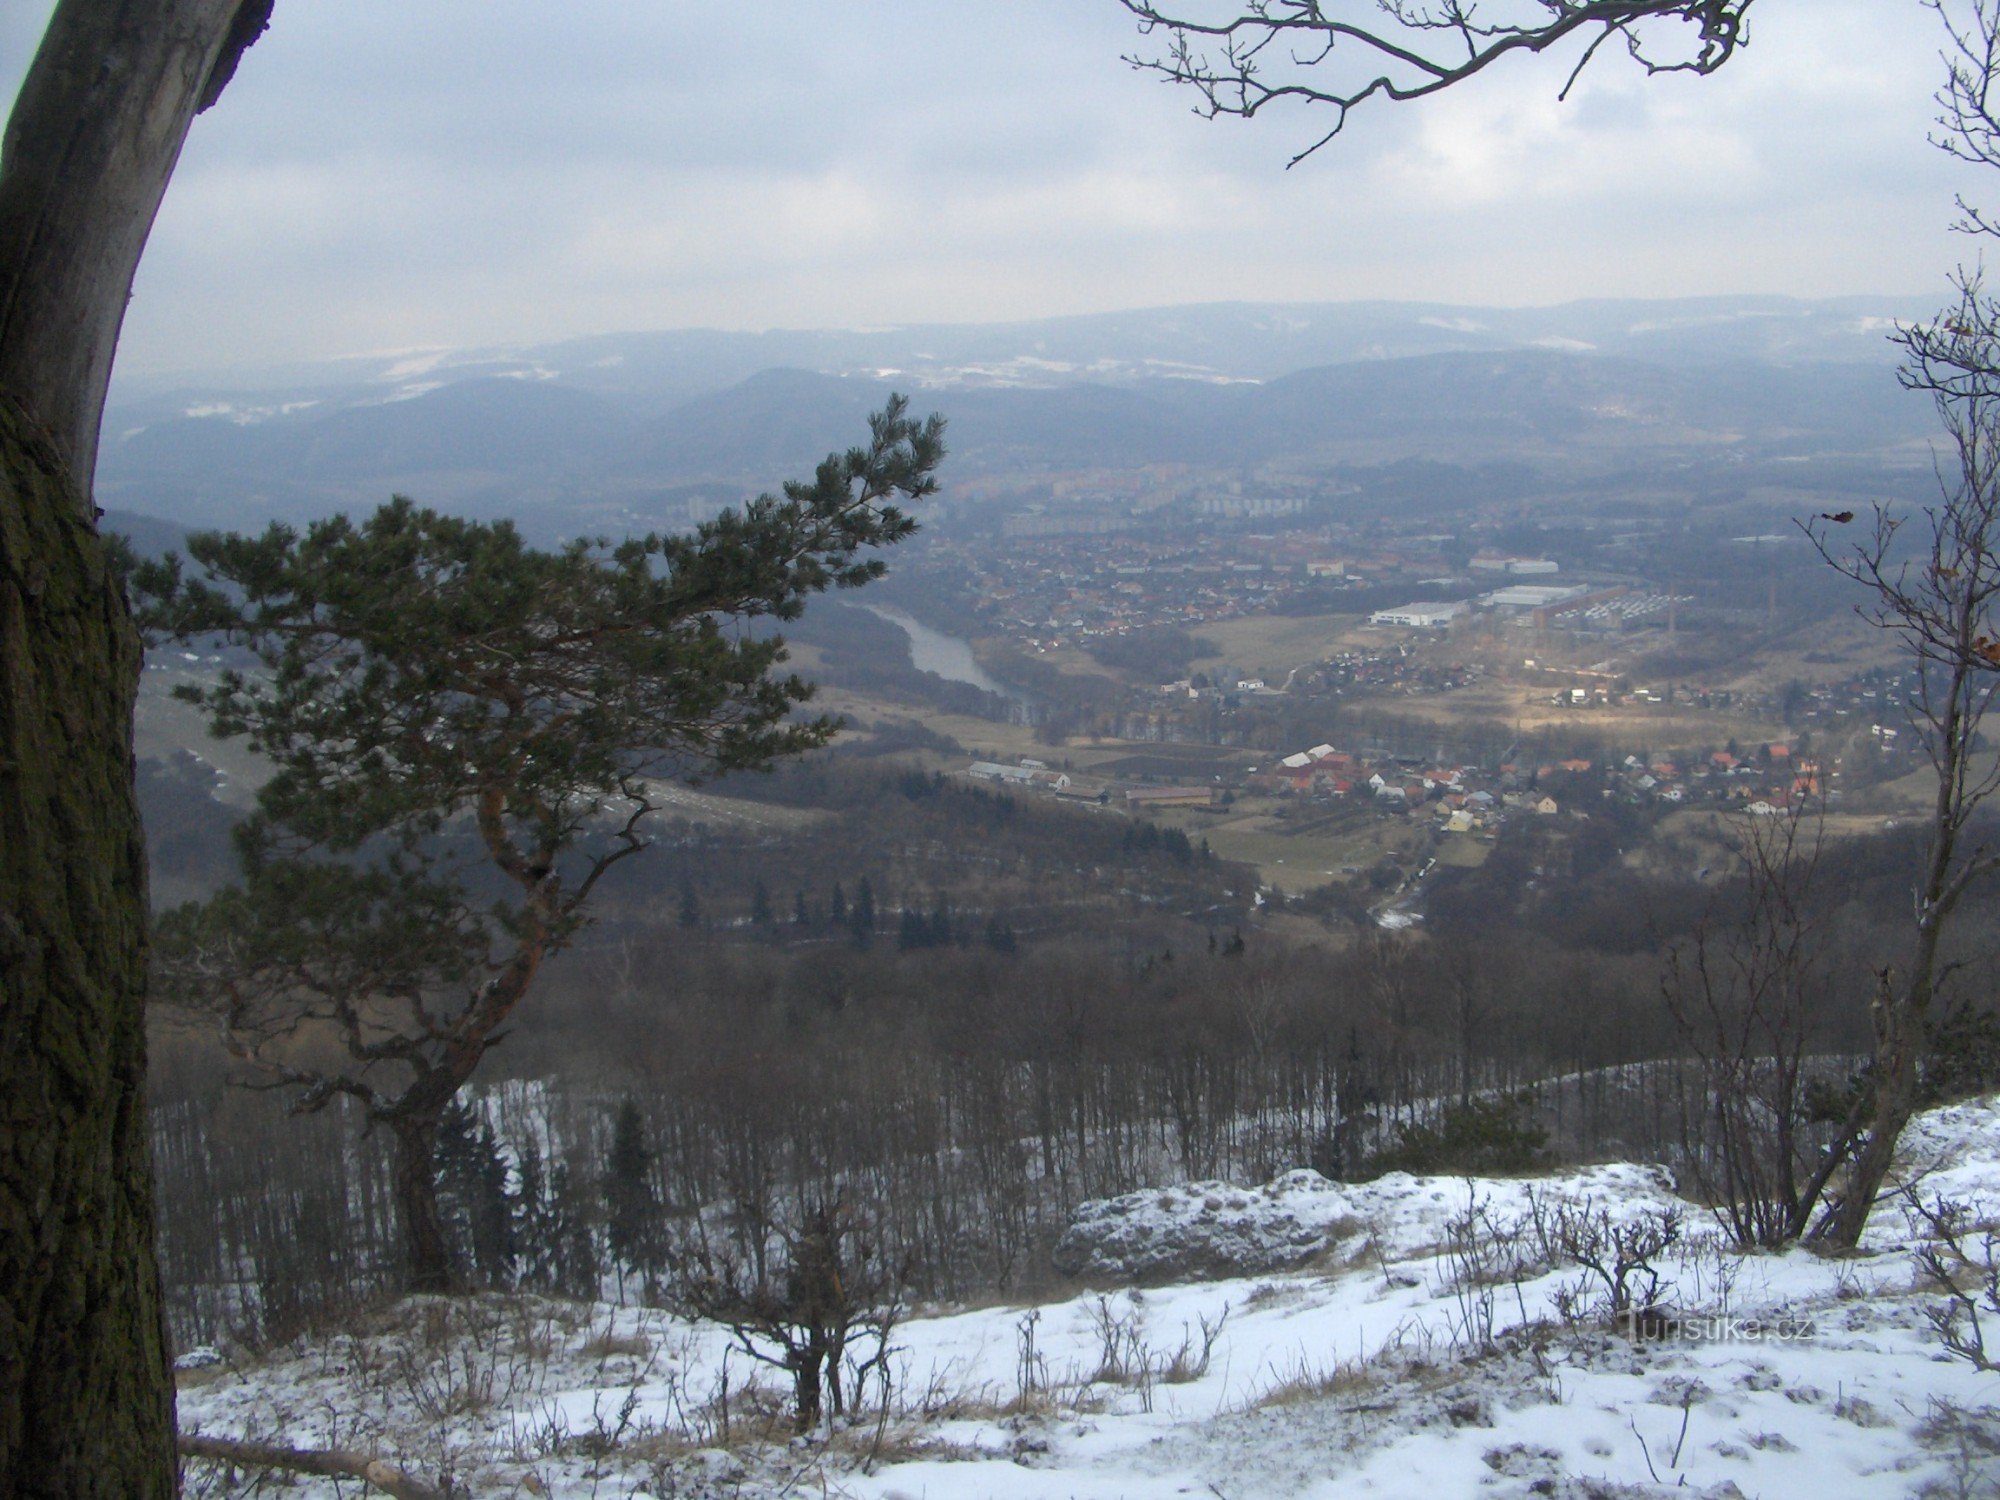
(1435, 1348)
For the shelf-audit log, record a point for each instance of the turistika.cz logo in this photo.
(1713, 1328)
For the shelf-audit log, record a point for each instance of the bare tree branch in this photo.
(1339, 54)
(331, 1463)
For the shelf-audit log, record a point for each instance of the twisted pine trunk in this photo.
(426, 1246)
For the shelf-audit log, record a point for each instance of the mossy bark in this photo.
(86, 1394)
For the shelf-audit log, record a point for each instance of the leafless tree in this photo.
(829, 1289)
(1955, 356)
(1750, 994)
(1338, 54)
(1938, 596)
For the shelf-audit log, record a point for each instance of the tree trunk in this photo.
(86, 1393)
(1900, 1036)
(805, 1389)
(1902, 1015)
(86, 1404)
(426, 1247)
(92, 139)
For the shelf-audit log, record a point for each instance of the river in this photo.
(947, 655)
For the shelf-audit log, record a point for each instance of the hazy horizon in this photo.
(417, 362)
(378, 178)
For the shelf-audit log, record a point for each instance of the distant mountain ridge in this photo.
(1219, 341)
(600, 433)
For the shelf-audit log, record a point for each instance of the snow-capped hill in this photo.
(1461, 1340)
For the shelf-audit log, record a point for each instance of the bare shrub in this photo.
(799, 1311)
(466, 1356)
(1968, 1443)
(1621, 1256)
(1121, 1343)
(1960, 1261)
(1190, 1362)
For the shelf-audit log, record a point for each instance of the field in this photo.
(1269, 646)
(1841, 646)
(1521, 697)
(1527, 707)
(1305, 848)
(1463, 851)
(1193, 763)
(163, 726)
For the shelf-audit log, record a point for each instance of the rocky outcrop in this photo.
(1205, 1230)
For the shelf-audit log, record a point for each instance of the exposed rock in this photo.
(1205, 1230)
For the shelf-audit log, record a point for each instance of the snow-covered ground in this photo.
(1440, 1345)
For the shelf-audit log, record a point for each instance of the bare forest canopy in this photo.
(1047, 1047)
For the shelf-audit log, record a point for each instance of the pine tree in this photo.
(476, 1198)
(634, 1227)
(450, 713)
(760, 904)
(537, 1220)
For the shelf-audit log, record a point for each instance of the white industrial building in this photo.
(1421, 615)
(1531, 596)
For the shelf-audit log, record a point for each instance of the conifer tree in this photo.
(634, 1227)
(536, 1216)
(558, 1254)
(477, 1200)
(468, 734)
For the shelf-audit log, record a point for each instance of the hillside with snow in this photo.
(1419, 1337)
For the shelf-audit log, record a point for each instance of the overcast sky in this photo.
(386, 174)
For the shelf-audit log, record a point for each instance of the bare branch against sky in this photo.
(491, 171)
